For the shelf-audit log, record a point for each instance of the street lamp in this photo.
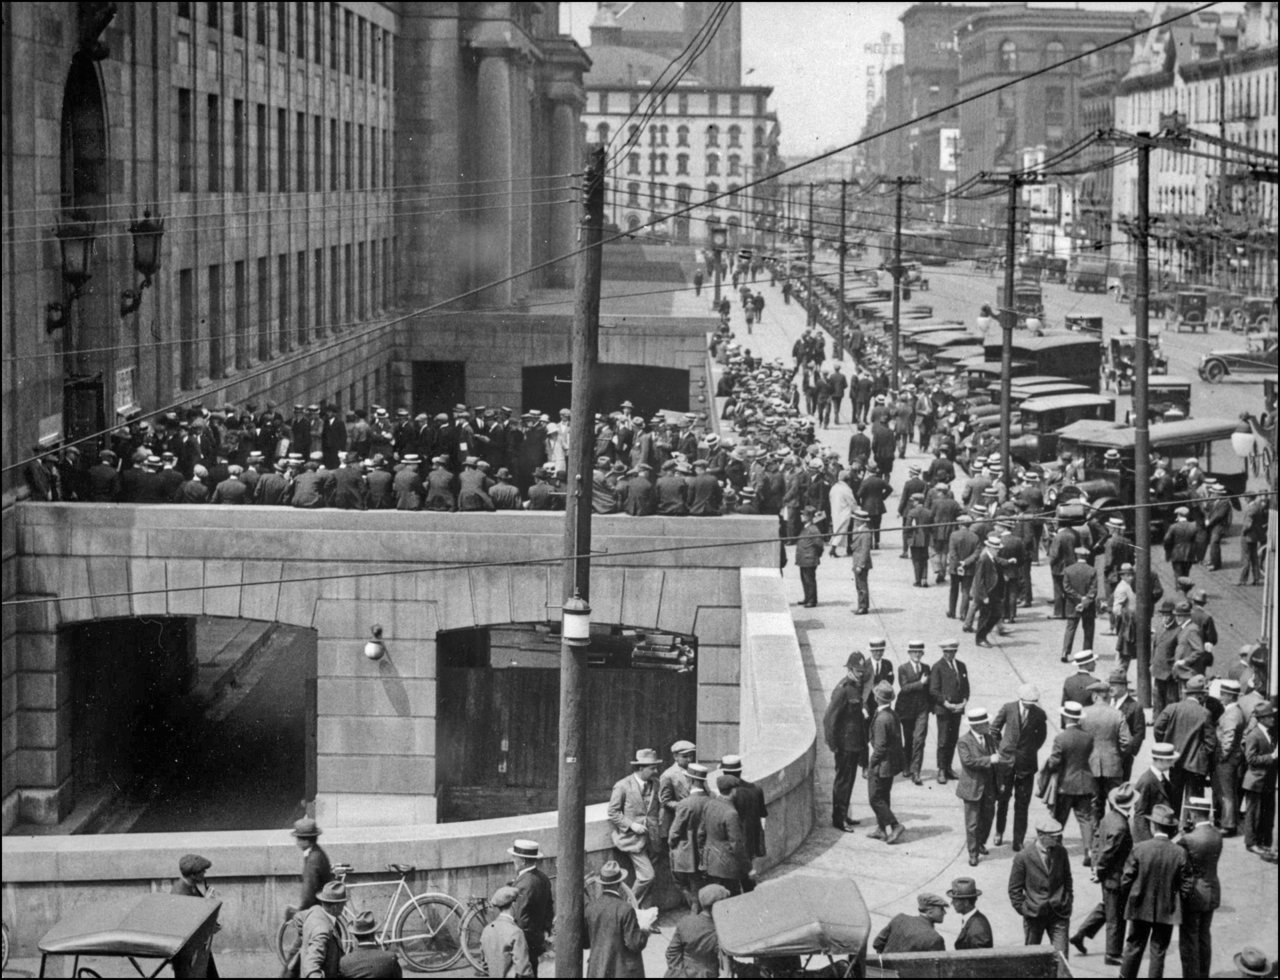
(575, 622)
(147, 235)
(719, 239)
(76, 241)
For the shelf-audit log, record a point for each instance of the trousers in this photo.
(864, 592)
(846, 776)
(1195, 942)
(978, 815)
(959, 592)
(1056, 927)
(1082, 805)
(1226, 788)
(1009, 784)
(915, 729)
(1110, 913)
(1074, 620)
(879, 791)
(1259, 815)
(920, 565)
(809, 581)
(948, 735)
(988, 616)
(1140, 933)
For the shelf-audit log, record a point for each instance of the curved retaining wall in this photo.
(256, 872)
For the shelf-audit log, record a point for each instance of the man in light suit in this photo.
(634, 816)
(1022, 729)
(977, 786)
(321, 947)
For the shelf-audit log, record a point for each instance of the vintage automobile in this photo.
(1253, 314)
(1028, 299)
(1072, 356)
(176, 930)
(1104, 486)
(1257, 357)
(1168, 394)
(1087, 277)
(1042, 417)
(1190, 308)
(928, 345)
(1118, 362)
(1084, 324)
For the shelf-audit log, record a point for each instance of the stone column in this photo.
(493, 165)
(565, 63)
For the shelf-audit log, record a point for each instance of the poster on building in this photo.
(124, 391)
(948, 140)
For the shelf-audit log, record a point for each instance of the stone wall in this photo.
(256, 872)
(375, 721)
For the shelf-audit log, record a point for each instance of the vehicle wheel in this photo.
(1214, 372)
(473, 923)
(428, 932)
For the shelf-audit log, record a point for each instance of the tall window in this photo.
(300, 30)
(733, 195)
(662, 163)
(334, 45)
(215, 144)
(264, 309)
(733, 105)
(683, 193)
(186, 142)
(237, 18)
(242, 315)
(260, 23)
(362, 280)
(216, 368)
(282, 26)
(635, 101)
(360, 48)
(317, 37)
(318, 313)
(735, 165)
(302, 150)
(361, 179)
(713, 189)
(633, 163)
(304, 315)
(682, 136)
(604, 103)
(1055, 105)
(713, 135)
(682, 105)
(348, 155)
(713, 164)
(214, 9)
(1054, 52)
(375, 43)
(239, 147)
(349, 307)
(758, 136)
(713, 104)
(334, 169)
(633, 194)
(282, 284)
(374, 172)
(682, 163)
(282, 149)
(347, 21)
(335, 284)
(1008, 56)
(261, 126)
(186, 329)
(602, 134)
(317, 154)
(735, 135)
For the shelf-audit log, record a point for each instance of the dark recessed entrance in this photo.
(498, 713)
(650, 388)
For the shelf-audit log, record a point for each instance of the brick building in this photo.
(319, 166)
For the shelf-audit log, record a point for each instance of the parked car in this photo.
(1257, 357)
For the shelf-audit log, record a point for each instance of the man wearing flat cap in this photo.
(534, 907)
(975, 929)
(192, 868)
(1112, 844)
(845, 730)
(674, 783)
(502, 942)
(1040, 888)
(915, 933)
(694, 950)
(1021, 729)
(1156, 878)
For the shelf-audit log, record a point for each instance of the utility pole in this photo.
(809, 305)
(838, 346)
(1009, 312)
(572, 796)
(1144, 142)
(896, 269)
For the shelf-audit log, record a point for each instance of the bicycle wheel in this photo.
(286, 936)
(473, 923)
(428, 931)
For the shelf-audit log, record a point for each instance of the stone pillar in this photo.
(564, 65)
(492, 247)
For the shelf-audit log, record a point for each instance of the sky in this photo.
(813, 56)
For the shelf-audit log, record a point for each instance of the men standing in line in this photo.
(1080, 587)
(949, 691)
(1260, 782)
(1111, 846)
(845, 730)
(534, 908)
(1203, 844)
(884, 763)
(1156, 878)
(987, 591)
(860, 547)
(879, 669)
(975, 930)
(977, 785)
(913, 708)
(1022, 728)
(633, 813)
(1040, 888)
(1068, 763)
(914, 933)
(684, 838)
(1189, 726)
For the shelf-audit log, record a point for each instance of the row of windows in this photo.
(306, 146)
(657, 194)
(353, 42)
(733, 104)
(658, 164)
(658, 135)
(304, 300)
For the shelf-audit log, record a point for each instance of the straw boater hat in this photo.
(529, 849)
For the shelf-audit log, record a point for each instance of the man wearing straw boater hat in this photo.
(1157, 880)
(534, 907)
(977, 785)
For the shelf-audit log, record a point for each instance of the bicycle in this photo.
(424, 929)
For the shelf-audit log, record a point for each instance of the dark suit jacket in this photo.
(976, 933)
(1038, 890)
(1156, 878)
(369, 961)
(1080, 585)
(683, 838)
(614, 936)
(977, 775)
(1260, 767)
(1076, 688)
(948, 682)
(720, 840)
(748, 799)
(886, 745)
(913, 691)
(843, 725)
(1070, 758)
(909, 934)
(350, 492)
(1150, 792)
(1204, 848)
(1131, 711)
(1020, 743)
(694, 950)
(1189, 726)
(986, 578)
(875, 673)
(1112, 842)
(963, 548)
(534, 910)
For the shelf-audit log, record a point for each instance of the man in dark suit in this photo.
(1076, 687)
(987, 591)
(1180, 542)
(613, 930)
(1190, 727)
(1021, 727)
(1068, 764)
(860, 548)
(1259, 784)
(872, 493)
(1164, 641)
(721, 843)
(949, 692)
(913, 707)
(977, 786)
(350, 492)
(975, 930)
(1080, 588)
(1157, 880)
(104, 479)
(367, 959)
(694, 950)
(1134, 719)
(1111, 846)
(534, 908)
(884, 762)
(1203, 844)
(845, 730)
(1040, 887)
(906, 503)
(1151, 789)
(333, 437)
(748, 799)
(685, 833)
(878, 669)
(914, 933)
(316, 870)
(963, 549)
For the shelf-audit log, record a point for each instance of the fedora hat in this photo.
(1162, 815)
(1252, 962)
(963, 888)
(1122, 798)
(646, 757)
(364, 924)
(333, 891)
(525, 849)
(306, 827)
(611, 874)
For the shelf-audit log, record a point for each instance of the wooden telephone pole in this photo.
(896, 270)
(572, 797)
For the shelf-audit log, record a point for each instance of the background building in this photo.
(319, 166)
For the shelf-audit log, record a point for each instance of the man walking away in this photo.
(1203, 844)
(1067, 778)
(1111, 846)
(1156, 878)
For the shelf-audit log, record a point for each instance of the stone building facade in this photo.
(320, 167)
